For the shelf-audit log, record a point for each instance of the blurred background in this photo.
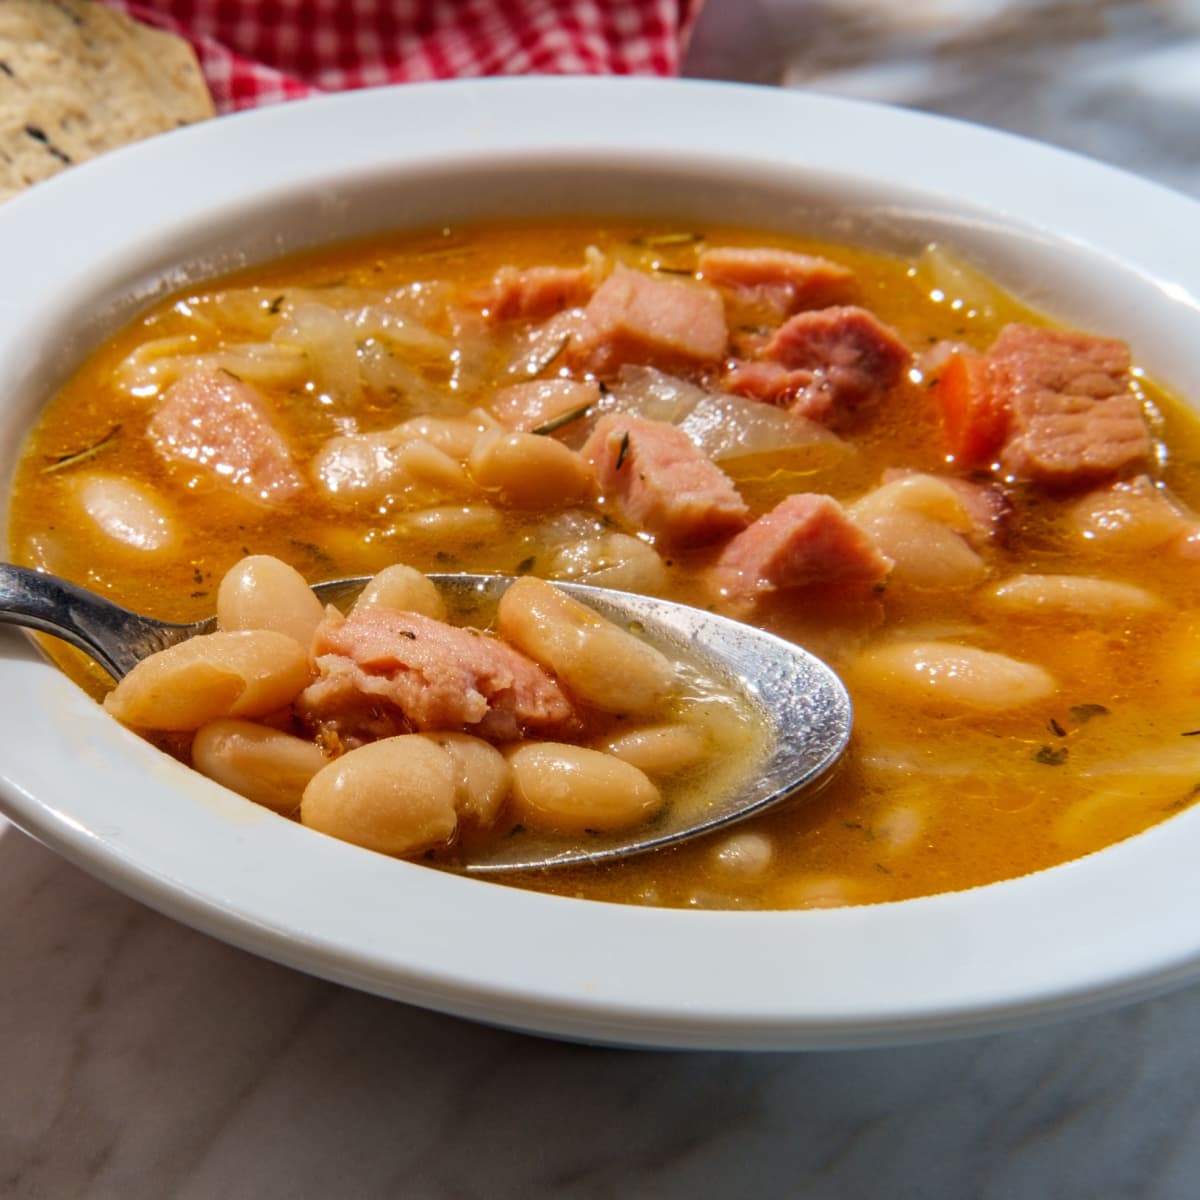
(1116, 79)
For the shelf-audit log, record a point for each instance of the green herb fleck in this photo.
(624, 450)
(1051, 756)
(275, 305)
(1085, 712)
(1056, 728)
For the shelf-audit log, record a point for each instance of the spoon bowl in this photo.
(800, 701)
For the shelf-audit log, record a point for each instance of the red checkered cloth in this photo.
(256, 52)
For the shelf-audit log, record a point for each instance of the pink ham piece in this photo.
(804, 540)
(383, 672)
(640, 318)
(212, 420)
(1071, 416)
(534, 293)
(824, 364)
(662, 482)
(778, 282)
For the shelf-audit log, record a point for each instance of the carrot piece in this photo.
(974, 417)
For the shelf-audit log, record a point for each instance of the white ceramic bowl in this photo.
(1085, 243)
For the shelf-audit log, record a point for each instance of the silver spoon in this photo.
(802, 703)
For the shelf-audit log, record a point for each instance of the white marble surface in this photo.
(141, 1059)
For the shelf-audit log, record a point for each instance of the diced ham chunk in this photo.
(638, 318)
(773, 383)
(212, 420)
(662, 482)
(824, 364)
(540, 402)
(778, 282)
(1071, 414)
(382, 672)
(806, 539)
(1045, 406)
(534, 293)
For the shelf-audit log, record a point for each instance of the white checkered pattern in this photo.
(256, 52)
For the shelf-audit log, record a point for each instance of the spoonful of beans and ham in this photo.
(484, 722)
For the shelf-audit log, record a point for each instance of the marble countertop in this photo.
(141, 1059)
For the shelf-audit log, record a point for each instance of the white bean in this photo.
(942, 673)
(402, 588)
(246, 673)
(918, 494)
(614, 560)
(821, 891)
(526, 470)
(569, 789)
(263, 764)
(263, 592)
(447, 523)
(919, 522)
(483, 776)
(395, 796)
(1112, 812)
(1078, 595)
(658, 749)
(455, 436)
(132, 516)
(364, 467)
(601, 663)
(899, 828)
(1127, 518)
(744, 855)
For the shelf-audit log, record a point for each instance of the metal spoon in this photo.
(803, 705)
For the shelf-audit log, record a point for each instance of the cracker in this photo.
(77, 79)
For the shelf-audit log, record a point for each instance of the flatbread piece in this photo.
(77, 79)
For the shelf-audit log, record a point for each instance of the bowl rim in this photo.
(1105, 928)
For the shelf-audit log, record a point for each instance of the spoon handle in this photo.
(115, 637)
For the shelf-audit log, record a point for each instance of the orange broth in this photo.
(925, 802)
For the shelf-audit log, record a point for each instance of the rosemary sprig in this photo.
(78, 456)
(556, 423)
